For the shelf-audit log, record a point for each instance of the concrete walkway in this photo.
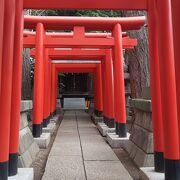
(79, 152)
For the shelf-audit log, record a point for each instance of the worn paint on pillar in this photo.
(16, 89)
(6, 86)
(38, 82)
(155, 89)
(168, 90)
(119, 89)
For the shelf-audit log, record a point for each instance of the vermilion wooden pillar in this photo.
(176, 32)
(108, 90)
(119, 90)
(16, 90)
(38, 82)
(1, 34)
(104, 91)
(46, 87)
(6, 86)
(98, 99)
(55, 92)
(168, 90)
(49, 89)
(155, 88)
(53, 79)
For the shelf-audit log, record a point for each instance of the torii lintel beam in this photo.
(74, 66)
(74, 54)
(49, 42)
(71, 34)
(77, 70)
(75, 62)
(86, 4)
(90, 23)
(78, 42)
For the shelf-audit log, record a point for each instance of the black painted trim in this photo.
(172, 169)
(4, 170)
(54, 113)
(48, 119)
(44, 123)
(105, 120)
(122, 130)
(41, 127)
(117, 128)
(13, 164)
(110, 123)
(37, 130)
(159, 161)
(98, 113)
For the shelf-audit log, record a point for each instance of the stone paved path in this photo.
(79, 152)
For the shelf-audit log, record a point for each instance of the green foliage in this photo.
(85, 13)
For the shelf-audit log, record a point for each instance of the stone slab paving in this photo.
(79, 152)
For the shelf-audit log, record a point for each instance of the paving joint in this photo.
(81, 146)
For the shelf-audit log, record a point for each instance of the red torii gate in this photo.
(84, 42)
(166, 63)
(97, 76)
(104, 55)
(79, 40)
(85, 54)
(79, 68)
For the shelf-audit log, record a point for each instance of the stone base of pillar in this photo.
(50, 128)
(96, 119)
(104, 129)
(43, 141)
(116, 142)
(23, 174)
(148, 173)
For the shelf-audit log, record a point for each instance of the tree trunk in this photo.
(138, 58)
(26, 76)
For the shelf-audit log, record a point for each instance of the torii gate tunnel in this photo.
(164, 55)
